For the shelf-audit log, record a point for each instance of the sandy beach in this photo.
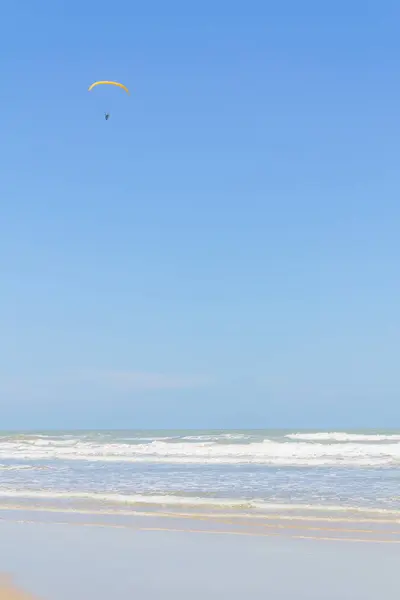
(59, 556)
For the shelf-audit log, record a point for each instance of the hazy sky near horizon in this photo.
(224, 251)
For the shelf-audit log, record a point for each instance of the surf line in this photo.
(271, 534)
(204, 531)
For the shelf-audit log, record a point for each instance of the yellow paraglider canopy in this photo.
(121, 85)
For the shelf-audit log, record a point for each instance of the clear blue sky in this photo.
(224, 251)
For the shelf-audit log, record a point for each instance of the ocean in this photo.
(243, 471)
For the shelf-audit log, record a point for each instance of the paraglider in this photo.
(121, 85)
(115, 83)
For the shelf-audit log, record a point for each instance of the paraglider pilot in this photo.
(106, 116)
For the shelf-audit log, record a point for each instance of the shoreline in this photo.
(274, 525)
(284, 512)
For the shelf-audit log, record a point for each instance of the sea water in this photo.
(259, 470)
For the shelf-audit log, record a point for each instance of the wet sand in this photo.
(60, 556)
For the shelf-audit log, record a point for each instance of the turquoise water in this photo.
(252, 470)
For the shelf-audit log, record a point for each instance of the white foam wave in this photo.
(344, 437)
(267, 452)
(200, 438)
(216, 437)
(19, 467)
(171, 501)
(157, 500)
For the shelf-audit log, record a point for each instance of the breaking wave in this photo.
(292, 449)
